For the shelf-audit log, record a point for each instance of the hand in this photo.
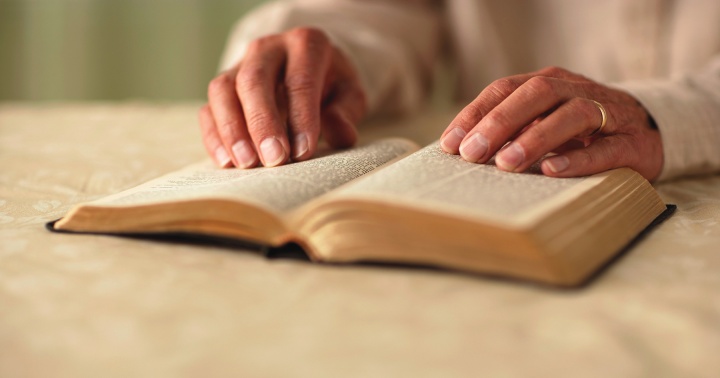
(273, 105)
(551, 111)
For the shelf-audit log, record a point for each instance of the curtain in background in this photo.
(112, 49)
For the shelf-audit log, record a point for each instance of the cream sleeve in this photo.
(392, 44)
(687, 113)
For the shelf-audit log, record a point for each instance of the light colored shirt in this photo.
(666, 53)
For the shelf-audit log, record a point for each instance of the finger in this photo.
(488, 99)
(256, 84)
(537, 97)
(603, 154)
(342, 114)
(229, 120)
(467, 118)
(308, 61)
(337, 129)
(571, 119)
(572, 144)
(344, 104)
(211, 138)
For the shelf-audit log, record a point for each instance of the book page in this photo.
(439, 181)
(277, 189)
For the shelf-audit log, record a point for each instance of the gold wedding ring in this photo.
(604, 118)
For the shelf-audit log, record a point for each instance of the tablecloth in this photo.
(84, 305)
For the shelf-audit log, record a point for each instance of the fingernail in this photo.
(474, 148)
(222, 158)
(272, 152)
(244, 154)
(301, 145)
(451, 142)
(511, 157)
(557, 163)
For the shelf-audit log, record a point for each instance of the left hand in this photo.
(551, 110)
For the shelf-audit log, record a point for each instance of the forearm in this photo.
(393, 44)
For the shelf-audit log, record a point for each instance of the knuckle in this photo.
(587, 110)
(250, 78)
(540, 86)
(258, 45)
(308, 36)
(229, 128)
(554, 71)
(260, 122)
(592, 114)
(302, 81)
(498, 119)
(220, 84)
(303, 121)
(538, 137)
(470, 115)
(502, 87)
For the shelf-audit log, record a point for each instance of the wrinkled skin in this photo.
(293, 88)
(273, 106)
(522, 118)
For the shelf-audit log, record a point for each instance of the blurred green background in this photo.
(77, 50)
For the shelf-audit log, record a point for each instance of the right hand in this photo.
(273, 105)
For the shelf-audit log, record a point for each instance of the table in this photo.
(81, 305)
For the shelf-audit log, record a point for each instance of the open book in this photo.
(390, 201)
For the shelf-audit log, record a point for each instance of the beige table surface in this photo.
(78, 305)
